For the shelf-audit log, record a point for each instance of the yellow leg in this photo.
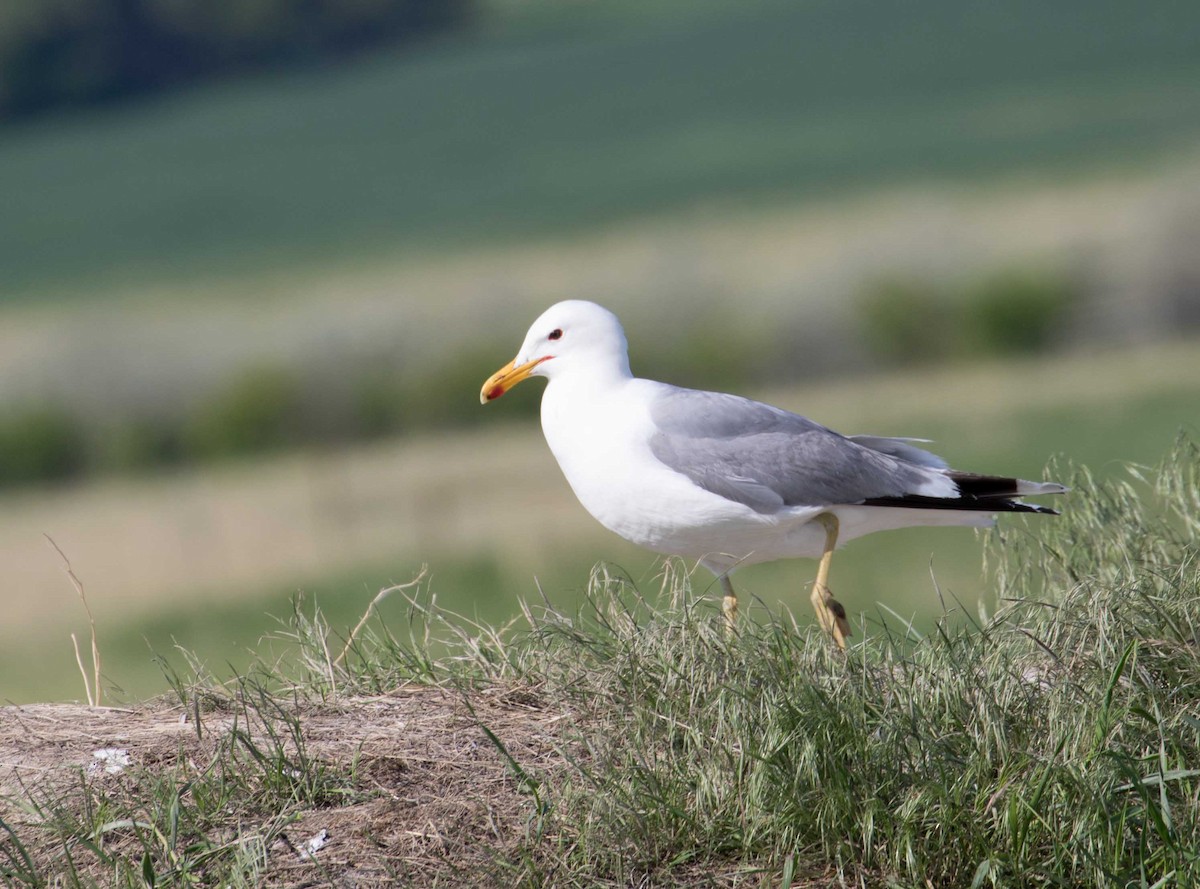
(830, 613)
(728, 604)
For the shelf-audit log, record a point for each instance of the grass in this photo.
(1053, 742)
(582, 121)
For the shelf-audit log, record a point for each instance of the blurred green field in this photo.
(1100, 410)
(549, 123)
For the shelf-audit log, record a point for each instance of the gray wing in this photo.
(901, 448)
(769, 458)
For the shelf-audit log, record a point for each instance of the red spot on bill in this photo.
(495, 392)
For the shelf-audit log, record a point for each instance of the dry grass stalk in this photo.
(379, 597)
(87, 688)
(92, 698)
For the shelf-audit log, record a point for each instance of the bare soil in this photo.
(434, 801)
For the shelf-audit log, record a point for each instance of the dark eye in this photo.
(556, 334)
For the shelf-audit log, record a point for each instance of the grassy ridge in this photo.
(532, 130)
(1053, 743)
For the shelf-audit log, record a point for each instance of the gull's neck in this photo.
(581, 407)
(574, 396)
(601, 373)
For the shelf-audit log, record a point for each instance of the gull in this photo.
(723, 480)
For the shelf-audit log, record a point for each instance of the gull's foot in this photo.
(831, 615)
(730, 609)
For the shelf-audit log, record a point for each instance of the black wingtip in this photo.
(964, 504)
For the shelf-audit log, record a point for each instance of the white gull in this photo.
(725, 480)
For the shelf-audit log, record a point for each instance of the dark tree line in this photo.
(56, 53)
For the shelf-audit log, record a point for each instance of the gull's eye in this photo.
(555, 334)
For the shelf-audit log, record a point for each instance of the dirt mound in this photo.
(424, 792)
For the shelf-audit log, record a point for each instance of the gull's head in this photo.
(570, 337)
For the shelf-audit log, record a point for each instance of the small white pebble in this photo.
(315, 844)
(112, 760)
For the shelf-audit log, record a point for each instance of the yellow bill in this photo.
(507, 377)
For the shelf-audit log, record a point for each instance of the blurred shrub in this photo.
(1018, 312)
(712, 350)
(60, 52)
(905, 321)
(40, 444)
(257, 412)
(377, 408)
(139, 444)
(447, 394)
